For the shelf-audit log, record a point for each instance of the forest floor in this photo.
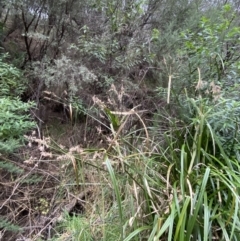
(44, 187)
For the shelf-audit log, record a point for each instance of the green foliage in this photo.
(10, 167)
(12, 82)
(118, 51)
(117, 193)
(14, 121)
(224, 120)
(201, 175)
(186, 186)
(182, 182)
(77, 227)
(212, 49)
(114, 120)
(209, 70)
(66, 74)
(199, 164)
(191, 186)
(1, 31)
(8, 226)
(78, 109)
(117, 45)
(32, 179)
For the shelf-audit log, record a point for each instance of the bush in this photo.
(12, 82)
(210, 53)
(14, 121)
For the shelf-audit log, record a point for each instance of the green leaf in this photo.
(112, 118)
(136, 232)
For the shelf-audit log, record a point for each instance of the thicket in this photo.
(172, 174)
(15, 119)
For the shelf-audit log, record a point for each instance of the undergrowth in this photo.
(185, 187)
(180, 182)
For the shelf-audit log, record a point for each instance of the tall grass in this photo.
(184, 186)
(190, 187)
(204, 179)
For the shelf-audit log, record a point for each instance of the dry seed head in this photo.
(46, 154)
(30, 160)
(77, 149)
(47, 92)
(98, 102)
(216, 91)
(67, 156)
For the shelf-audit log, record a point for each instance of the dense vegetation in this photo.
(119, 120)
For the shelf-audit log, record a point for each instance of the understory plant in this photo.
(211, 47)
(14, 118)
(203, 177)
(180, 185)
(15, 121)
(180, 182)
(190, 187)
(184, 187)
(202, 146)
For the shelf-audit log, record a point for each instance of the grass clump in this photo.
(203, 182)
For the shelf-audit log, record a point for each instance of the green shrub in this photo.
(203, 177)
(14, 120)
(14, 123)
(8, 226)
(210, 52)
(12, 83)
